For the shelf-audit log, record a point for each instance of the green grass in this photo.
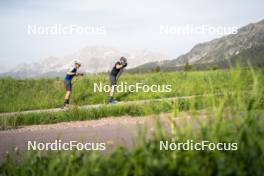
(19, 95)
(225, 82)
(234, 118)
(131, 109)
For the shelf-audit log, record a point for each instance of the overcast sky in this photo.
(127, 25)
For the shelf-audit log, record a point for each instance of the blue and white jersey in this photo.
(69, 77)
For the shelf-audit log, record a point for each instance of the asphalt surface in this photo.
(114, 131)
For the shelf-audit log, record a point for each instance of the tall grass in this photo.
(18, 95)
(77, 114)
(235, 118)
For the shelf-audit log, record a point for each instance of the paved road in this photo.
(114, 131)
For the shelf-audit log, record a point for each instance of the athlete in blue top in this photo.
(68, 81)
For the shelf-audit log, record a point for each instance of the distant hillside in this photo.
(246, 46)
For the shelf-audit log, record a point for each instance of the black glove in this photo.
(125, 64)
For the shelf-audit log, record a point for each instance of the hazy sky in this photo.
(128, 25)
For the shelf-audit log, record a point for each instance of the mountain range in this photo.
(246, 47)
(93, 59)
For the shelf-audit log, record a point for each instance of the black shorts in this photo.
(68, 85)
(112, 80)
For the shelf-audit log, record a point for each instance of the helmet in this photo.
(123, 59)
(77, 62)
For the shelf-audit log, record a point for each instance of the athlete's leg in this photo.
(111, 93)
(112, 90)
(67, 96)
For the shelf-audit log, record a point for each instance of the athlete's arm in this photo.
(70, 72)
(118, 66)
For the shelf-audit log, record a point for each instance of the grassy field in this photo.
(47, 93)
(234, 116)
(131, 109)
(19, 95)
